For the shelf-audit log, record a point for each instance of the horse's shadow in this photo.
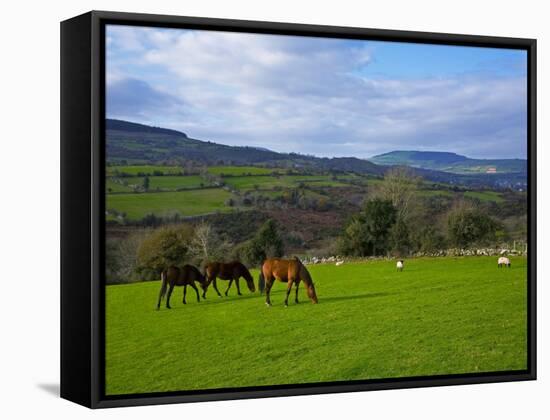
(358, 297)
(215, 300)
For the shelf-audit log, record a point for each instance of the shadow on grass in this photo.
(210, 300)
(356, 297)
(234, 299)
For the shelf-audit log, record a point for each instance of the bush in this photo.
(164, 247)
(368, 233)
(400, 238)
(267, 243)
(468, 225)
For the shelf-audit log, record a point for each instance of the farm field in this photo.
(242, 170)
(135, 170)
(128, 202)
(188, 203)
(116, 187)
(485, 196)
(175, 182)
(291, 181)
(439, 316)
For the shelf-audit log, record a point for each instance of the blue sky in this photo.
(320, 96)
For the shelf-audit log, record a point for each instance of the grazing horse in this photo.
(231, 271)
(290, 271)
(504, 261)
(400, 265)
(184, 276)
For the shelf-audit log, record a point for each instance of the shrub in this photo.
(468, 225)
(164, 247)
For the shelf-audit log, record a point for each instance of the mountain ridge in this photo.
(133, 143)
(450, 162)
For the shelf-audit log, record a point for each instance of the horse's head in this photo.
(308, 283)
(249, 280)
(203, 280)
(311, 292)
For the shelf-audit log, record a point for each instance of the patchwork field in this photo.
(269, 182)
(135, 170)
(187, 203)
(125, 187)
(241, 170)
(439, 316)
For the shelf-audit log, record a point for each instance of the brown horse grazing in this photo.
(180, 276)
(232, 271)
(290, 271)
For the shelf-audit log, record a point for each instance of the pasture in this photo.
(135, 170)
(287, 181)
(187, 203)
(438, 316)
(241, 170)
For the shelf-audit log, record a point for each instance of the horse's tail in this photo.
(261, 281)
(163, 287)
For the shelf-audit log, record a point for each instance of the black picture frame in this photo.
(83, 203)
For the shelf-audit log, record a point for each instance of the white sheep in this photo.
(400, 265)
(504, 261)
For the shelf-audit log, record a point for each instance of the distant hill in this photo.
(451, 162)
(134, 143)
(137, 143)
(120, 125)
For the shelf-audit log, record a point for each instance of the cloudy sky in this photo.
(319, 96)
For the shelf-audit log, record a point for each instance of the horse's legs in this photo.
(268, 284)
(162, 293)
(215, 284)
(192, 284)
(184, 293)
(238, 288)
(170, 290)
(288, 290)
(229, 287)
(296, 299)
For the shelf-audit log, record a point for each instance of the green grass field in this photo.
(439, 316)
(116, 187)
(485, 196)
(134, 170)
(188, 203)
(241, 170)
(287, 181)
(175, 182)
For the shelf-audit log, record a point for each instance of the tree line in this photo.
(395, 221)
(142, 256)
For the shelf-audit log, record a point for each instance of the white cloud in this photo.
(311, 96)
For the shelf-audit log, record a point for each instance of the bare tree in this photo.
(206, 243)
(202, 241)
(400, 186)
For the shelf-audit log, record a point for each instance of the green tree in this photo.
(369, 232)
(267, 243)
(164, 247)
(429, 238)
(146, 183)
(468, 225)
(400, 238)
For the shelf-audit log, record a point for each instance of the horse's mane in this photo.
(304, 273)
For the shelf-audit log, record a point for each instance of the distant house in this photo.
(491, 170)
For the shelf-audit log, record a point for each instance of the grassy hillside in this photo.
(450, 162)
(130, 143)
(439, 316)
